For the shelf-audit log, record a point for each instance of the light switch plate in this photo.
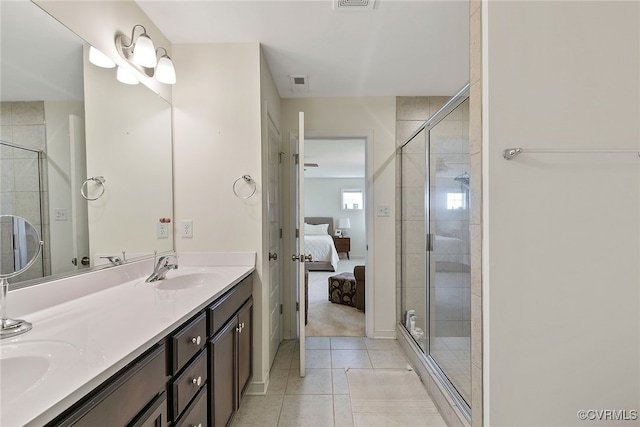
(384, 210)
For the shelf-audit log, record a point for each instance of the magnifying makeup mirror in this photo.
(20, 246)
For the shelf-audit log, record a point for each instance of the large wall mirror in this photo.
(65, 122)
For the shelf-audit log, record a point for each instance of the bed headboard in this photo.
(315, 220)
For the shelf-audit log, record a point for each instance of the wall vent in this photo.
(299, 83)
(353, 4)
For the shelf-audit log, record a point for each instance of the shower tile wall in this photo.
(21, 191)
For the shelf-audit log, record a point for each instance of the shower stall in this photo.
(22, 194)
(435, 246)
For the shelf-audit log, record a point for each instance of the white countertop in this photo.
(101, 324)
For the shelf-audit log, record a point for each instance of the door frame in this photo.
(367, 136)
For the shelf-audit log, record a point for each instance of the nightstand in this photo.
(343, 244)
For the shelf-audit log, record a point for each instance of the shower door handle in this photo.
(431, 241)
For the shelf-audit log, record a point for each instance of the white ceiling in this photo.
(336, 158)
(400, 48)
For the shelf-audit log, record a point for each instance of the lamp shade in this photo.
(125, 76)
(144, 53)
(100, 59)
(344, 223)
(165, 73)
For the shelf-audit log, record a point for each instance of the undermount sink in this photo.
(25, 366)
(187, 281)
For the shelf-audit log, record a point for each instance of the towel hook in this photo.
(98, 180)
(248, 180)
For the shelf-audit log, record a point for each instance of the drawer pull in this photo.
(196, 340)
(197, 381)
(196, 425)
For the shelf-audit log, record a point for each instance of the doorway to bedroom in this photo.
(335, 189)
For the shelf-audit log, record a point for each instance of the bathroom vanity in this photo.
(173, 352)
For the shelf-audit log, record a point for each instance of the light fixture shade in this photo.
(144, 53)
(165, 72)
(125, 76)
(100, 59)
(344, 223)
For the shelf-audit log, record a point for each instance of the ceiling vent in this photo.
(353, 4)
(299, 83)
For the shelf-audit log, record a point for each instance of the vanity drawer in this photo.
(186, 342)
(224, 308)
(196, 414)
(124, 396)
(188, 383)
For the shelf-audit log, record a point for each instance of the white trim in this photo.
(486, 327)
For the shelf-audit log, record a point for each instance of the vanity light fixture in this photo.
(100, 59)
(141, 50)
(141, 54)
(165, 72)
(125, 76)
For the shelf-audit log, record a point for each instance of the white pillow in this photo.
(316, 230)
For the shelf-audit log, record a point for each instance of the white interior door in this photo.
(299, 257)
(273, 212)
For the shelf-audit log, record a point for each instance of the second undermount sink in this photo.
(26, 366)
(187, 281)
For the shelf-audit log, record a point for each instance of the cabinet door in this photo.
(245, 339)
(222, 378)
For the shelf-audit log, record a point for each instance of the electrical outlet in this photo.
(187, 228)
(162, 230)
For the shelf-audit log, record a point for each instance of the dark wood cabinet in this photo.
(122, 399)
(230, 365)
(195, 376)
(343, 244)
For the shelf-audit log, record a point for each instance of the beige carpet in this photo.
(390, 398)
(327, 319)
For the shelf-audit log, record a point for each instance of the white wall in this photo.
(373, 118)
(217, 139)
(561, 279)
(322, 198)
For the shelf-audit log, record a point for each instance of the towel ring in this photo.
(248, 180)
(98, 180)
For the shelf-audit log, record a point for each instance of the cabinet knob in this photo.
(196, 340)
(197, 381)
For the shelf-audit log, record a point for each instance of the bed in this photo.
(451, 252)
(320, 245)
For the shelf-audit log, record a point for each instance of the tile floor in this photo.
(340, 388)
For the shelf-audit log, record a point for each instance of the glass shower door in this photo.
(449, 283)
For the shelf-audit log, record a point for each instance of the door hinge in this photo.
(297, 233)
(297, 306)
(297, 157)
(280, 156)
(281, 309)
(281, 233)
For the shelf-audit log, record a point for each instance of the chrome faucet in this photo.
(114, 260)
(161, 268)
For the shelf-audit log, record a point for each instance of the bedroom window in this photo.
(455, 201)
(352, 199)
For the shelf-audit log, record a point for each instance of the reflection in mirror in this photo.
(19, 250)
(63, 121)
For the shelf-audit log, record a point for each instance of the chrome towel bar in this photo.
(511, 153)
